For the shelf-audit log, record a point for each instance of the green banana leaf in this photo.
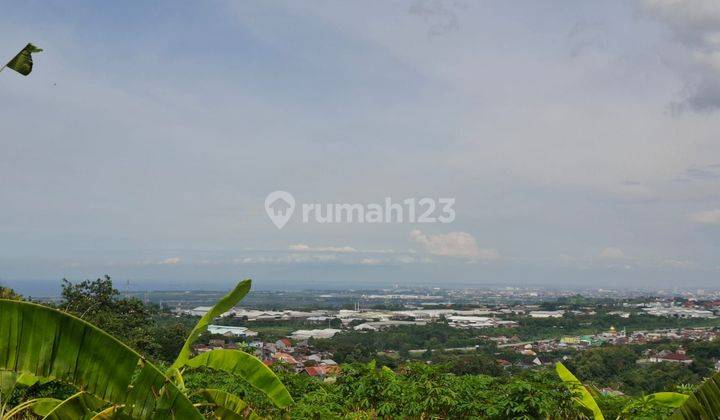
(223, 305)
(703, 404)
(668, 399)
(48, 343)
(113, 412)
(9, 380)
(78, 406)
(43, 406)
(249, 368)
(39, 406)
(227, 406)
(585, 399)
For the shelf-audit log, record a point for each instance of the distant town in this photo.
(294, 335)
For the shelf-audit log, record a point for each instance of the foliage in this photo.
(473, 363)
(658, 405)
(225, 405)
(355, 347)
(247, 367)
(704, 403)
(616, 367)
(52, 344)
(8, 293)
(237, 363)
(418, 390)
(78, 406)
(583, 397)
(414, 390)
(223, 305)
(170, 339)
(126, 318)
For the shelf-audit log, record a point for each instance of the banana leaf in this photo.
(585, 399)
(9, 380)
(223, 305)
(247, 367)
(668, 399)
(48, 343)
(43, 406)
(113, 412)
(78, 406)
(39, 406)
(703, 404)
(227, 406)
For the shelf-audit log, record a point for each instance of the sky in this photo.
(579, 140)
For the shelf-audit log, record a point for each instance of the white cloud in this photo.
(675, 263)
(170, 261)
(612, 253)
(370, 261)
(297, 258)
(307, 258)
(308, 248)
(710, 217)
(453, 244)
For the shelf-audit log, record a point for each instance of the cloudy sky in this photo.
(578, 138)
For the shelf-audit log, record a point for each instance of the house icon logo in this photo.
(280, 206)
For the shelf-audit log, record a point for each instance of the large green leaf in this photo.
(227, 406)
(39, 406)
(584, 399)
(249, 368)
(112, 413)
(48, 343)
(22, 62)
(704, 403)
(223, 305)
(668, 399)
(78, 406)
(9, 380)
(43, 406)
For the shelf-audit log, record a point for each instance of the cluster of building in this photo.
(258, 315)
(371, 320)
(317, 334)
(677, 356)
(299, 357)
(612, 336)
(465, 322)
(231, 331)
(673, 311)
(302, 357)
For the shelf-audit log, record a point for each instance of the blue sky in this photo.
(578, 138)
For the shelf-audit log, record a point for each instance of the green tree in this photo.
(170, 339)
(658, 405)
(98, 302)
(8, 293)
